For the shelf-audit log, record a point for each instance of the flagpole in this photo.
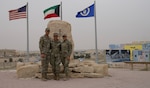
(96, 50)
(27, 33)
(61, 9)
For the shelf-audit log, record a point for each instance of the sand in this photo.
(119, 78)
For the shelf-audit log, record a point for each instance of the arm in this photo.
(69, 49)
(50, 46)
(41, 42)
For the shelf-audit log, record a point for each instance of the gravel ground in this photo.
(119, 78)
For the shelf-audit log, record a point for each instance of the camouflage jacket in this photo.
(66, 48)
(44, 44)
(55, 47)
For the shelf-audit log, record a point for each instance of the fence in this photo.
(8, 65)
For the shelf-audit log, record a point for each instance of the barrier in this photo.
(133, 62)
(7, 65)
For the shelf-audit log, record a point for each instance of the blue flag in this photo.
(87, 12)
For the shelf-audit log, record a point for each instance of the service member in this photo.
(66, 50)
(55, 59)
(44, 45)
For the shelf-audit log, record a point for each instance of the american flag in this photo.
(18, 13)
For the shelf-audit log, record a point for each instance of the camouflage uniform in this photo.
(44, 45)
(55, 58)
(66, 50)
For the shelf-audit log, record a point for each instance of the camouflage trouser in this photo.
(65, 63)
(44, 66)
(55, 63)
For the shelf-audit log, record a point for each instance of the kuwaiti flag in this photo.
(87, 12)
(53, 11)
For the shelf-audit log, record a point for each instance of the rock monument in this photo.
(77, 68)
(61, 27)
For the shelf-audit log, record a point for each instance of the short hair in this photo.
(55, 34)
(47, 29)
(65, 35)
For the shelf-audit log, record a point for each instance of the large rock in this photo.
(87, 69)
(61, 27)
(72, 65)
(76, 75)
(90, 67)
(89, 62)
(92, 75)
(101, 68)
(27, 71)
(105, 69)
(20, 64)
(77, 69)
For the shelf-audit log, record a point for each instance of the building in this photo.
(118, 55)
(141, 55)
(7, 52)
(133, 47)
(146, 46)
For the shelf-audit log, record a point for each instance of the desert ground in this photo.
(118, 78)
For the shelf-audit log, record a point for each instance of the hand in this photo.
(43, 55)
(68, 58)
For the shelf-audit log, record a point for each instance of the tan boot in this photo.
(44, 77)
(48, 78)
(54, 77)
(66, 78)
(57, 77)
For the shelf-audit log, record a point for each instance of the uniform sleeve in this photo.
(60, 47)
(70, 48)
(41, 42)
(50, 46)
